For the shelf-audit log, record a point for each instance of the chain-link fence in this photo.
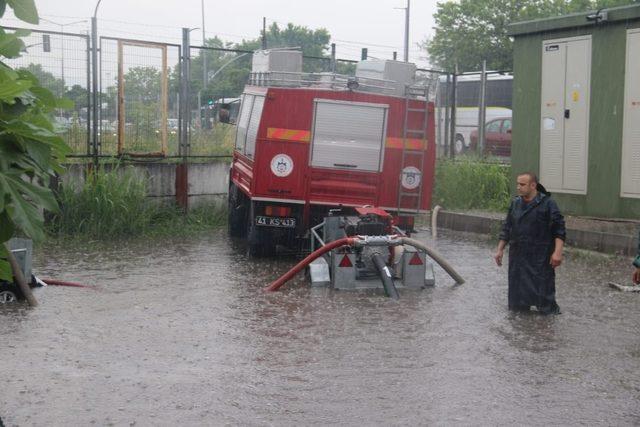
(140, 83)
(61, 62)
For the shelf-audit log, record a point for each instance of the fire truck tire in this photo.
(237, 215)
(9, 293)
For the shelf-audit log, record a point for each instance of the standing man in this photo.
(534, 228)
(636, 263)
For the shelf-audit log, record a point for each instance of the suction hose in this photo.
(55, 282)
(435, 256)
(385, 276)
(345, 241)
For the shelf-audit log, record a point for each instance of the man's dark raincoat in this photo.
(531, 229)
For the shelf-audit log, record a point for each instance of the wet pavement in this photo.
(179, 333)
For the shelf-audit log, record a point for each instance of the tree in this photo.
(46, 79)
(311, 42)
(142, 84)
(79, 96)
(29, 147)
(470, 31)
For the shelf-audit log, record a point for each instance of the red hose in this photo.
(55, 282)
(345, 241)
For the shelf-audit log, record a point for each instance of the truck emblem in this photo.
(411, 177)
(281, 165)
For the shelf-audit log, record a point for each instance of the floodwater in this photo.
(179, 333)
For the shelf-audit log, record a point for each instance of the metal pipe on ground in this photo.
(435, 256)
(385, 276)
(434, 221)
(19, 277)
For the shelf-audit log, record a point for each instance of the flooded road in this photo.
(179, 333)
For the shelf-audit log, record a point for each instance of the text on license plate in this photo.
(271, 221)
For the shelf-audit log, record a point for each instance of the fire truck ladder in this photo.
(415, 195)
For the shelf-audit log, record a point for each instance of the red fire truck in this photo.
(310, 143)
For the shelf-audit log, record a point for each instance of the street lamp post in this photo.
(406, 32)
(406, 29)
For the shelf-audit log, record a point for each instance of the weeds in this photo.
(218, 141)
(114, 204)
(471, 184)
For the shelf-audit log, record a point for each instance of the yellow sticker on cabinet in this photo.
(575, 95)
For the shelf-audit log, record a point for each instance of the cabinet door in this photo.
(564, 127)
(630, 183)
(552, 114)
(576, 116)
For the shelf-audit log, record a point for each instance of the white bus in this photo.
(498, 97)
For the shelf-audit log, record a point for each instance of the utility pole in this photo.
(204, 51)
(406, 31)
(204, 61)
(264, 33)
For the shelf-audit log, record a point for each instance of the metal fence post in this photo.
(333, 58)
(452, 138)
(482, 112)
(94, 68)
(182, 169)
(447, 115)
(88, 96)
(185, 108)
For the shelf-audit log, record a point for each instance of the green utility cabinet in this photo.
(576, 109)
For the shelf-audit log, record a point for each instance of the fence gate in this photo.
(142, 99)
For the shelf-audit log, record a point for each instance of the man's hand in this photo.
(636, 276)
(556, 259)
(498, 257)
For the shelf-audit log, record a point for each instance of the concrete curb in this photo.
(620, 244)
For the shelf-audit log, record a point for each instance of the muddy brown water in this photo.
(179, 333)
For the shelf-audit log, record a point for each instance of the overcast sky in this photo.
(353, 24)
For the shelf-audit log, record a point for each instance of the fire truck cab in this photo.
(308, 143)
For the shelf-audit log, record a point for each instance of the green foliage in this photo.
(471, 184)
(114, 204)
(46, 79)
(30, 148)
(231, 81)
(470, 31)
(142, 84)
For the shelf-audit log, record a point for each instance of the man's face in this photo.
(526, 187)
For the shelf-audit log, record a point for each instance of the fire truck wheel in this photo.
(8, 293)
(237, 215)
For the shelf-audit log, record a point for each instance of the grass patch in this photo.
(114, 204)
(471, 184)
(218, 141)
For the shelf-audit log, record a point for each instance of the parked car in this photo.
(497, 137)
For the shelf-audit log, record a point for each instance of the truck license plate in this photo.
(272, 221)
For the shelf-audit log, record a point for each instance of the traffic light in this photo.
(46, 43)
